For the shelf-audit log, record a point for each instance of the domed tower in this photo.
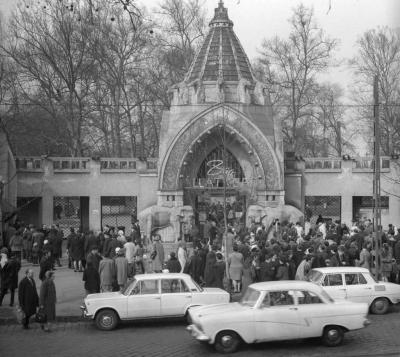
(219, 138)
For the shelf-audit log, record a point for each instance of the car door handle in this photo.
(343, 289)
(188, 297)
(292, 308)
(367, 288)
(157, 298)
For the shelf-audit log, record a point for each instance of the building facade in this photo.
(220, 150)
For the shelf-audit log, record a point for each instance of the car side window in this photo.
(281, 298)
(169, 286)
(361, 279)
(148, 287)
(307, 297)
(351, 279)
(333, 280)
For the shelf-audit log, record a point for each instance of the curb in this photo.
(12, 320)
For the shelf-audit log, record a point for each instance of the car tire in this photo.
(380, 306)
(227, 342)
(106, 320)
(333, 336)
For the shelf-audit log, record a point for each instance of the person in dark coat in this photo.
(91, 277)
(45, 264)
(77, 251)
(48, 299)
(9, 277)
(28, 297)
(173, 264)
(94, 257)
(218, 271)
(196, 267)
(209, 266)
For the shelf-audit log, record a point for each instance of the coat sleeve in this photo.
(43, 293)
(21, 292)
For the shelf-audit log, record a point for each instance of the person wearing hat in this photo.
(45, 264)
(28, 297)
(121, 268)
(9, 269)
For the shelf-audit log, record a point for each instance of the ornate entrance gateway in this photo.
(220, 178)
(219, 143)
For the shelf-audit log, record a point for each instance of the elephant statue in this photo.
(266, 215)
(166, 221)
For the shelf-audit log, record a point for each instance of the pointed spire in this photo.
(221, 18)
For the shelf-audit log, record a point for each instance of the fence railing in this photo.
(323, 163)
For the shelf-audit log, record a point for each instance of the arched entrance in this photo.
(218, 180)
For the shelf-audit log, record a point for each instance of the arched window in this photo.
(214, 163)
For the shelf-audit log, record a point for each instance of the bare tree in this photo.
(291, 67)
(379, 55)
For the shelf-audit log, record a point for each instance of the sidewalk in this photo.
(70, 294)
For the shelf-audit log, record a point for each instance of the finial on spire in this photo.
(221, 3)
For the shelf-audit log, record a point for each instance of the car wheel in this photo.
(380, 306)
(227, 342)
(333, 336)
(106, 320)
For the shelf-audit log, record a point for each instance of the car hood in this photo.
(102, 296)
(223, 309)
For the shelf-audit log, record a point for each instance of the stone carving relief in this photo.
(169, 178)
(166, 221)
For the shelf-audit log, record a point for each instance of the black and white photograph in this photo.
(199, 178)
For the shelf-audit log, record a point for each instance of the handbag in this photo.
(41, 316)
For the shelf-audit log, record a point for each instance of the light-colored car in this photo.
(150, 296)
(358, 285)
(279, 310)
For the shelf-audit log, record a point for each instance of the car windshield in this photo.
(315, 276)
(250, 297)
(128, 287)
(199, 288)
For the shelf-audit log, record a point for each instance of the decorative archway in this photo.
(259, 149)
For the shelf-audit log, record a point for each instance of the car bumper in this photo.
(85, 313)
(197, 333)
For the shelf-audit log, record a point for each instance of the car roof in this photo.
(153, 276)
(342, 270)
(285, 284)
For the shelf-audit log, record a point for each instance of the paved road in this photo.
(170, 339)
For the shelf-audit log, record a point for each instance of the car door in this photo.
(145, 299)
(357, 288)
(175, 297)
(277, 317)
(312, 313)
(334, 286)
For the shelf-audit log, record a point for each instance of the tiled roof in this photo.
(221, 57)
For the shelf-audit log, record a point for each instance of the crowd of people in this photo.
(230, 260)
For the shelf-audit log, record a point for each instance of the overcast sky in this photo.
(255, 20)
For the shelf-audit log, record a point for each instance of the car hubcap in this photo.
(106, 321)
(379, 305)
(226, 341)
(333, 335)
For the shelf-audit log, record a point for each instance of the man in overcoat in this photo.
(28, 297)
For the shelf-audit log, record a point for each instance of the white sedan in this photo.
(357, 284)
(151, 296)
(279, 310)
